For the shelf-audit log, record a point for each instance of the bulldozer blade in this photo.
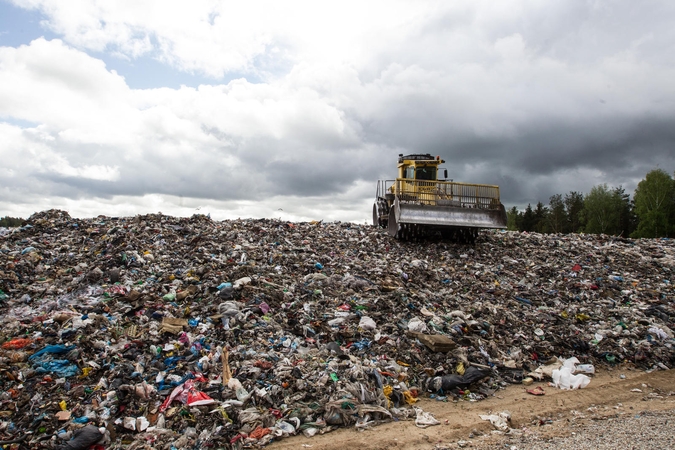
(450, 216)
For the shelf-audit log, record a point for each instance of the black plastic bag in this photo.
(450, 382)
(83, 438)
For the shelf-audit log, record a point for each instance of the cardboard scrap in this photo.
(435, 342)
(173, 325)
(63, 415)
(190, 291)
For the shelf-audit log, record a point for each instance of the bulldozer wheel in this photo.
(392, 225)
(379, 211)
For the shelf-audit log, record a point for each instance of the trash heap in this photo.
(163, 332)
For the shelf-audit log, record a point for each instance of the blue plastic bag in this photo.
(56, 349)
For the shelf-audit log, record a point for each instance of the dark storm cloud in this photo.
(622, 149)
(606, 145)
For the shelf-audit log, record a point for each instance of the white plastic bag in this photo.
(571, 363)
(285, 428)
(335, 322)
(424, 419)
(310, 432)
(130, 423)
(579, 381)
(563, 379)
(367, 323)
(241, 282)
(242, 394)
(142, 423)
(417, 325)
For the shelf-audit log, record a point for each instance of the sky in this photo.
(293, 110)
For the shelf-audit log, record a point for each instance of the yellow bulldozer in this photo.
(417, 203)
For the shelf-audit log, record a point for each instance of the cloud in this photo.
(215, 38)
(540, 99)
(208, 142)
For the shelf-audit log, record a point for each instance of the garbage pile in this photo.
(163, 332)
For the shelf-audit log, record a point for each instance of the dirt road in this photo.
(553, 414)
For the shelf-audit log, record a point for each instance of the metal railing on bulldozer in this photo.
(444, 193)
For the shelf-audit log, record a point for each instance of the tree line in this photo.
(607, 210)
(10, 222)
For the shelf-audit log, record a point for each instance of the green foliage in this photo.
(574, 207)
(627, 218)
(512, 219)
(10, 222)
(529, 220)
(602, 208)
(541, 218)
(557, 217)
(606, 210)
(654, 200)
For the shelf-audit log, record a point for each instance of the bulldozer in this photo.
(417, 203)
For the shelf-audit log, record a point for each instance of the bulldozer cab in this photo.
(417, 174)
(418, 167)
(417, 170)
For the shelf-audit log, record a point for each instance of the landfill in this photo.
(174, 333)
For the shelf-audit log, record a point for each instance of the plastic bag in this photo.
(249, 415)
(57, 349)
(367, 323)
(285, 428)
(310, 432)
(188, 395)
(240, 391)
(197, 398)
(241, 282)
(84, 438)
(129, 423)
(579, 381)
(61, 367)
(424, 419)
(416, 324)
(450, 382)
(563, 379)
(571, 363)
(16, 344)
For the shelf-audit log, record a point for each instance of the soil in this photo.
(608, 396)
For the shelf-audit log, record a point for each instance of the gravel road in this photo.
(644, 430)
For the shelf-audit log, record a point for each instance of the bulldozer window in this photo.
(426, 173)
(409, 173)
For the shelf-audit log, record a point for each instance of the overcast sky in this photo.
(294, 110)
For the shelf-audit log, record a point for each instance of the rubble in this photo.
(184, 332)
